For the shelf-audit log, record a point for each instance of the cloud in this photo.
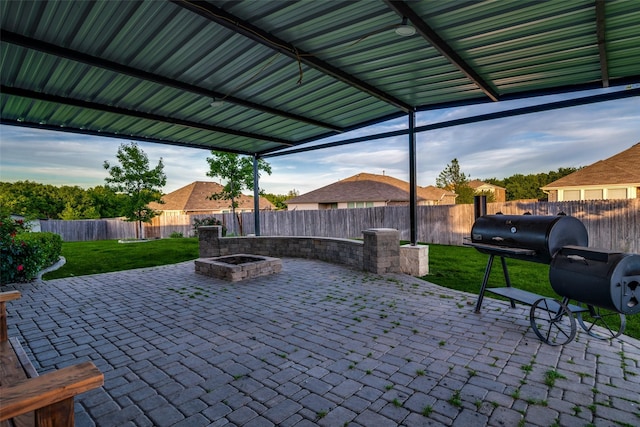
(532, 143)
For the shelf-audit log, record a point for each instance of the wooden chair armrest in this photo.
(9, 296)
(4, 297)
(47, 389)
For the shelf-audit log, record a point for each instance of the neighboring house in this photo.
(366, 190)
(193, 199)
(499, 193)
(617, 177)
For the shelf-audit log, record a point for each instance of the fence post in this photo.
(479, 206)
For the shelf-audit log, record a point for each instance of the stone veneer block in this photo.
(341, 251)
(414, 260)
(238, 267)
(381, 251)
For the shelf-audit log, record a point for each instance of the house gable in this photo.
(617, 177)
(499, 193)
(368, 190)
(194, 199)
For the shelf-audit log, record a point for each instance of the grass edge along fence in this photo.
(611, 224)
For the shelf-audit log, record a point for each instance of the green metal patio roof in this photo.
(292, 72)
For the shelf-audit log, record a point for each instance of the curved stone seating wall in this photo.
(379, 252)
(338, 251)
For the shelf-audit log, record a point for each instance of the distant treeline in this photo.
(34, 200)
(522, 187)
(44, 201)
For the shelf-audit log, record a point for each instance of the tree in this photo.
(78, 204)
(141, 184)
(453, 179)
(237, 171)
(106, 201)
(31, 199)
(278, 200)
(520, 186)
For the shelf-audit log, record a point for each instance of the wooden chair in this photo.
(27, 399)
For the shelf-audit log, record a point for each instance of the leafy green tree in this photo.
(453, 179)
(521, 186)
(138, 181)
(76, 212)
(237, 171)
(279, 200)
(31, 199)
(106, 201)
(465, 194)
(78, 204)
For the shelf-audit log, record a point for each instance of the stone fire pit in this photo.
(234, 268)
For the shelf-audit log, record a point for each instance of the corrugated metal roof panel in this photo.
(292, 71)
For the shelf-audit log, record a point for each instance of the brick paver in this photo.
(317, 344)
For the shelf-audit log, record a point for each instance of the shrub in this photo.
(23, 254)
(208, 221)
(48, 246)
(176, 235)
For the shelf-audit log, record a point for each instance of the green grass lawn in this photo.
(462, 268)
(103, 256)
(454, 267)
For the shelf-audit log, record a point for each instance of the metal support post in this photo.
(256, 196)
(413, 185)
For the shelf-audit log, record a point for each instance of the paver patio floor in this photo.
(317, 344)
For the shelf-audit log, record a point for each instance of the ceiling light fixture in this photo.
(216, 103)
(404, 29)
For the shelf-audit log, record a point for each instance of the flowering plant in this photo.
(19, 261)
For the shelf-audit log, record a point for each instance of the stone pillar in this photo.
(381, 251)
(209, 240)
(414, 260)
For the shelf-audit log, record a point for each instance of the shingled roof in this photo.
(194, 198)
(476, 183)
(367, 187)
(623, 168)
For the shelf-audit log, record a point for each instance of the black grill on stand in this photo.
(529, 237)
(604, 284)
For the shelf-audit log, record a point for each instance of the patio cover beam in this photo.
(592, 99)
(130, 113)
(403, 9)
(51, 49)
(258, 35)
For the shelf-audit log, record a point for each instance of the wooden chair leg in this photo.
(56, 415)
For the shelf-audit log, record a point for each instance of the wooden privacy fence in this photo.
(90, 229)
(163, 226)
(611, 224)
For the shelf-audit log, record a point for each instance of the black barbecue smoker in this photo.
(605, 285)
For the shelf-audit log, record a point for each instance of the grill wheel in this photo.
(552, 321)
(601, 323)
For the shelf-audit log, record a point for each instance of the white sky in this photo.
(533, 143)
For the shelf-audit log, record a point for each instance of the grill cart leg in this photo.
(507, 279)
(552, 321)
(601, 323)
(485, 280)
(487, 271)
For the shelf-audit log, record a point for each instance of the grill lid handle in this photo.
(574, 257)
